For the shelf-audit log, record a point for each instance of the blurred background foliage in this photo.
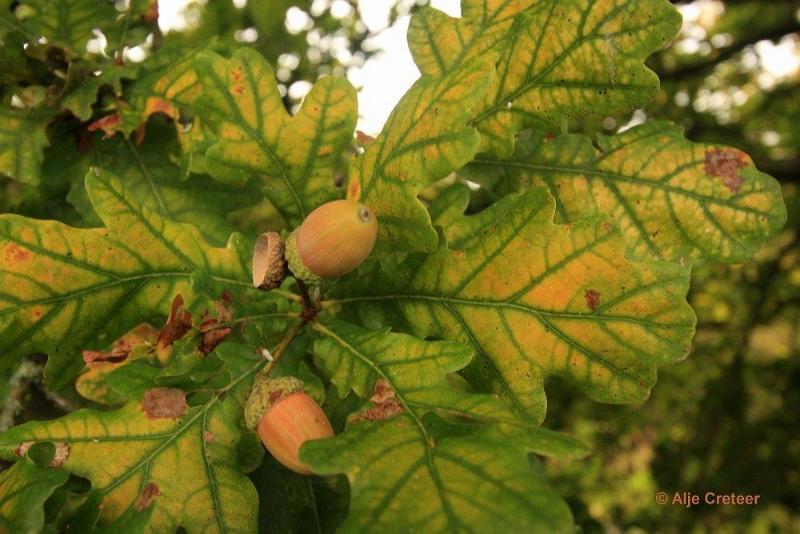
(724, 420)
(727, 419)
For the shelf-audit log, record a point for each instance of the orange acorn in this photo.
(285, 417)
(333, 240)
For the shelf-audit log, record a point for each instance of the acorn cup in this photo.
(333, 240)
(285, 417)
(269, 263)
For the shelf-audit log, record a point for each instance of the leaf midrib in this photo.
(427, 439)
(602, 174)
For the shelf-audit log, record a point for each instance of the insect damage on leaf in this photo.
(59, 457)
(117, 354)
(725, 163)
(178, 324)
(162, 403)
(385, 404)
(213, 328)
(146, 497)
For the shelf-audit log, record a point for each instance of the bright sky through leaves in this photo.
(385, 77)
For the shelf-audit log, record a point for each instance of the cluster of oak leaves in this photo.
(430, 359)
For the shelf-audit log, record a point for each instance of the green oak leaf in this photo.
(152, 177)
(297, 156)
(24, 487)
(70, 23)
(449, 205)
(558, 58)
(135, 520)
(467, 231)
(426, 137)
(535, 299)
(23, 137)
(404, 473)
(156, 446)
(65, 23)
(132, 521)
(673, 199)
(71, 289)
(84, 81)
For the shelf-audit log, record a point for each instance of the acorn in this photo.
(285, 417)
(333, 240)
(269, 263)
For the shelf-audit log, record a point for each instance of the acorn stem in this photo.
(281, 347)
(309, 309)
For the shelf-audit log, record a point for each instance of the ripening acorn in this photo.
(333, 240)
(285, 417)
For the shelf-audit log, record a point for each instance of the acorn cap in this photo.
(265, 393)
(269, 263)
(333, 240)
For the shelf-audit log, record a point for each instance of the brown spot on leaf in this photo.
(61, 455)
(145, 498)
(237, 89)
(22, 448)
(592, 299)
(385, 404)
(118, 354)
(16, 254)
(163, 403)
(59, 458)
(236, 74)
(215, 329)
(208, 437)
(725, 163)
(178, 323)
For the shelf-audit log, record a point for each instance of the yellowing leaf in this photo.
(409, 470)
(558, 58)
(426, 137)
(168, 81)
(537, 299)
(440, 43)
(673, 199)
(158, 447)
(295, 157)
(93, 384)
(68, 289)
